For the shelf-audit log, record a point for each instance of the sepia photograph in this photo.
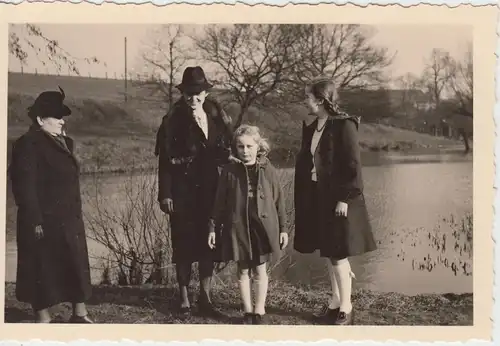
(250, 174)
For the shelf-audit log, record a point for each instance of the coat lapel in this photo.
(57, 146)
(324, 150)
(212, 130)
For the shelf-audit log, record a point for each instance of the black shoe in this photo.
(258, 319)
(248, 318)
(208, 310)
(185, 311)
(345, 319)
(81, 319)
(326, 315)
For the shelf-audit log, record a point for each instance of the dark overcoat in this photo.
(339, 178)
(189, 168)
(46, 189)
(230, 214)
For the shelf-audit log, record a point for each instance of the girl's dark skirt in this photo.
(261, 248)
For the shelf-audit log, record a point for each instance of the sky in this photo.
(412, 43)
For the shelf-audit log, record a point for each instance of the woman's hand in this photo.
(167, 205)
(341, 209)
(283, 240)
(211, 240)
(38, 232)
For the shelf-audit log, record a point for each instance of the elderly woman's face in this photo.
(53, 126)
(196, 101)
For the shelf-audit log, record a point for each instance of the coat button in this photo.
(263, 216)
(261, 196)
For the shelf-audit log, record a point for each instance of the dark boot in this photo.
(326, 315)
(344, 319)
(205, 305)
(248, 318)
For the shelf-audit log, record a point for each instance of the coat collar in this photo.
(262, 161)
(38, 132)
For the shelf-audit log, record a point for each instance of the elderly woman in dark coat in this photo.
(53, 265)
(330, 210)
(193, 142)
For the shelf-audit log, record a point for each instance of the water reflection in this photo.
(407, 203)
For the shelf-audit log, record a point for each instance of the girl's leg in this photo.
(261, 282)
(342, 271)
(245, 289)
(42, 316)
(335, 298)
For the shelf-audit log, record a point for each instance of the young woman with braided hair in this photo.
(330, 210)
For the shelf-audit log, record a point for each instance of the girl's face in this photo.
(247, 149)
(312, 103)
(53, 126)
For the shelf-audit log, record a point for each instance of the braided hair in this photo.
(324, 90)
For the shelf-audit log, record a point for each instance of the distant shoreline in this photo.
(117, 137)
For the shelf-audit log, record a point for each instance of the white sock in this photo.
(334, 301)
(261, 282)
(246, 291)
(344, 281)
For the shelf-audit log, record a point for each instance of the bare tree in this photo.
(409, 93)
(341, 52)
(134, 232)
(251, 59)
(46, 50)
(461, 82)
(437, 74)
(163, 58)
(443, 74)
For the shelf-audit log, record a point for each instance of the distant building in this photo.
(410, 102)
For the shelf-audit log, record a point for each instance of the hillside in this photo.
(114, 135)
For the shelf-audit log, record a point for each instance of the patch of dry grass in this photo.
(286, 305)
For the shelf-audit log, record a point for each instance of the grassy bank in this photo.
(286, 305)
(114, 136)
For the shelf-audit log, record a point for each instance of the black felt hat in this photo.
(194, 81)
(49, 104)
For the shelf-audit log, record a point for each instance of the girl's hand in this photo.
(211, 240)
(341, 209)
(283, 240)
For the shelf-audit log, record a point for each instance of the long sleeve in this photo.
(350, 184)
(23, 171)
(219, 206)
(280, 203)
(164, 167)
(227, 133)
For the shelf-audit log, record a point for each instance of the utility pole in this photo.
(125, 69)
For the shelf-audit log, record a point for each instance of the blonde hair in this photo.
(254, 132)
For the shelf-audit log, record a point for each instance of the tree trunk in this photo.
(465, 138)
(239, 119)
(171, 77)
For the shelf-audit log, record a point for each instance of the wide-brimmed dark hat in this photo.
(49, 104)
(194, 81)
